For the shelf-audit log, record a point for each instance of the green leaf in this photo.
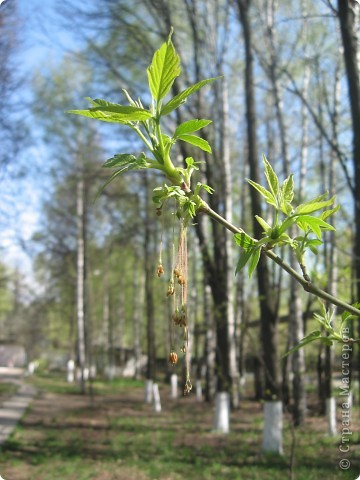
(315, 224)
(287, 189)
(126, 162)
(311, 337)
(206, 187)
(244, 240)
(119, 160)
(112, 112)
(287, 195)
(254, 260)
(190, 126)
(349, 316)
(286, 224)
(271, 177)
(244, 258)
(327, 213)
(196, 141)
(164, 68)
(181, 97)
(265, 226)
(313, 206)
(269, 197)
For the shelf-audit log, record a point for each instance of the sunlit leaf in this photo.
(164, 68)
(112, 112)
(271, 177)
(181, 97)
(196, 141)
(315, 224)
(191, 126)
(268, 196)
(313, 206)
(264, 225)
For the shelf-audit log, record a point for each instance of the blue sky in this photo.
(42, 43)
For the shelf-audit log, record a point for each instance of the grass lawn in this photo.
(116, 436)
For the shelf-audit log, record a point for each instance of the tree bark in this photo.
(149, 300)
(80, 273)
(347, 11)
(268, 314)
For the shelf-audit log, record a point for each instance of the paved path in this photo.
(12, 410)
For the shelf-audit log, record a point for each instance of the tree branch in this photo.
(307, 285)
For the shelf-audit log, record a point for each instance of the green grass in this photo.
(7, 389)
(65, 436)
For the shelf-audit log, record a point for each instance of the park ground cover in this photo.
(115, 435)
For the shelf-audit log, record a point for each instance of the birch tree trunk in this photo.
(348, 11)
(80, 275)
(138, 300)
(149, 300)
(268, 314)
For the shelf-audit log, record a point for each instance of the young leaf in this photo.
(181, 97)
(190, 126)
(244, 258)
(112, 112)
(315, 224)
(196, 141)
(311, 337)
(271, 177)
(313, 206)
(254, 260)
(349, 316)
(207, 188)
(244, 240)
(119, 160)
(265, 226)
(287, 195)
(327, 213)
(164, 68)
(269, 197)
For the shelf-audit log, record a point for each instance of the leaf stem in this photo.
(306, 284)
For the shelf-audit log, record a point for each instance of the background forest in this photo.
(88, 289)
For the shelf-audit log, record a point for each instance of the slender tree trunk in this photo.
(272, 435)
(149, 300)
(268, 314)
(80, 274)
(210, 346)
(137, 315)
(348, 10)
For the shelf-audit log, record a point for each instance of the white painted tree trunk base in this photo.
(148, 391)
(331, 415)
(273, 426)
(222, 413)
(70, 376)
(156, 394)
(199, 391)
(174, 386)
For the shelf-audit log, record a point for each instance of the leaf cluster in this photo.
(306, 217)
(146, 123)
(325, 318)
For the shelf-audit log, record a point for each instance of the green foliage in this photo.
(162, 73)
(286, 217)
(164, 69)
(326, 320)
(301, 227)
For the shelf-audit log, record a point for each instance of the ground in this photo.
(114, 435)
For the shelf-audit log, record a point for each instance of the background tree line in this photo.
(287, 72)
